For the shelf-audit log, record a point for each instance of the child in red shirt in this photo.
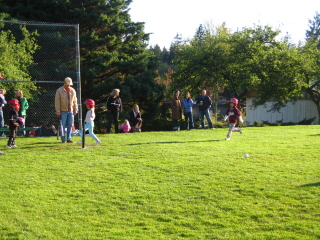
(13, 122)
(233, 114)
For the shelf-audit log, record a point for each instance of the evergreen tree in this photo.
(314, 28)
(200, 34)
(113, 48)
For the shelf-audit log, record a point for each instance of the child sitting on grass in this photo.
(233, 113)
(89, 121)
(126, 126)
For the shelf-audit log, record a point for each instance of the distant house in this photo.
(294, 112)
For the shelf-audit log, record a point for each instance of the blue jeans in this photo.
(67, 119)
(89, 127)
(207, 114)
(189, 120)
(1, 122)
(1, 119)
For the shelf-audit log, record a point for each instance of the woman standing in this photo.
(24, 105)
(176, 109)
(114, 106)
(187, 105)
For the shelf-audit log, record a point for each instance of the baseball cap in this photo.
(68, 81)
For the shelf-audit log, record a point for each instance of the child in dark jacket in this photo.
(13, 121)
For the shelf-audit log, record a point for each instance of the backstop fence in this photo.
(57, 56)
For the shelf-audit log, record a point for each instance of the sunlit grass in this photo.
(165, 185)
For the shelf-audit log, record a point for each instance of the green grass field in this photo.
(164, 185)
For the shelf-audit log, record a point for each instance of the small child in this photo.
(89, 121)
(13, 122)
(233, 113)
(126, 126)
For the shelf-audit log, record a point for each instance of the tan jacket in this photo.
(61, 100)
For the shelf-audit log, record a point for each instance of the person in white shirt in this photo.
(89, 121)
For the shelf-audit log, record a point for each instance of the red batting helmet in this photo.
(234, 100)
(14, 103)
(90, 102)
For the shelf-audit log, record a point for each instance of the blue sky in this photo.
(165, 18)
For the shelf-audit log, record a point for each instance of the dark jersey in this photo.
(13, 117)
(233, 114)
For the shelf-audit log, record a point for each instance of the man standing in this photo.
(66, 108)
(204, 102)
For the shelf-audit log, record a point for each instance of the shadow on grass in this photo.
(43, 144)
(173, 142)
(317, 184)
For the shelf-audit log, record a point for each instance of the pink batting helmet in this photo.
(21, 120)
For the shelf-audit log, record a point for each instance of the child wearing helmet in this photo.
(89, 121)
(13, 122)
(233, 114)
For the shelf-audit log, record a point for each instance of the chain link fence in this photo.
(56, 57)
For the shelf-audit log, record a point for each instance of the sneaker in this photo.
(2, 153)
(8, 146)
(97, 142)
(70, 141)
(227, 138)
(14, 145)
(80, 142)
(63, 141)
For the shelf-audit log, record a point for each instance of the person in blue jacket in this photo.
(187, 103)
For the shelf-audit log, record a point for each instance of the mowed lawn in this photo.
(164, 185)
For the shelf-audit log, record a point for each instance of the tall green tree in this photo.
(16, 58)
(295, 70)
(113, 48)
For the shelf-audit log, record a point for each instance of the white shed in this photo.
(293, 112)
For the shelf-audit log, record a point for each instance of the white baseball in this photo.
(246, 155)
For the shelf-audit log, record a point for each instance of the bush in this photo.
(280, 123)
(156, 125)
(307, 121)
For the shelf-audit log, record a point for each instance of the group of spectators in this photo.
(204, 103)
(66, 109)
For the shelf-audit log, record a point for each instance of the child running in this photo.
(233, 114)
(89, 121)
(13, 122)
(126, 126)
